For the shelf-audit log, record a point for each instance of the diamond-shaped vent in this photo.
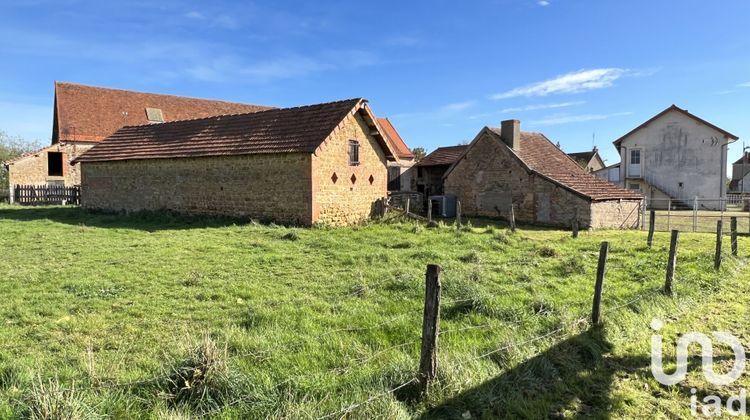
(353, 178)
(334, 177)
(371, 179)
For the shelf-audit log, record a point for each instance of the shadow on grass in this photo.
(572, 378)
(145, 220)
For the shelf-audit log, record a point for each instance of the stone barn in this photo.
(324, 163)
(546, 187)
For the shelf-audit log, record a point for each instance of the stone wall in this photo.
(273, 186)
(349, 196)
(620, 214)
(32, 169)
(489, 178)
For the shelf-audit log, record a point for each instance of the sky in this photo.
(582, 72)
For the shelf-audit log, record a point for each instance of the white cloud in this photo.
(528, 108)
(458, 106)
(221, 21)
(744, 85)
(566, 119)
(542, 106)
(575, 82)
(543, 3)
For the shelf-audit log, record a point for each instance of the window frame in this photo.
(353, 152)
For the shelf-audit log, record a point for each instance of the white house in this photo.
(674, 155)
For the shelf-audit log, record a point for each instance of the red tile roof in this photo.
(683, 111)
(87, 113)
(397, 143)
(544, 158)
(285, 130)
(443, 156)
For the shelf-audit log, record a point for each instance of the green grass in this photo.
(299, 323)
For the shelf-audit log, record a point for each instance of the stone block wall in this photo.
(490, 178)
(274, 186)
(349, 196)
(32, 169)
(620, 214)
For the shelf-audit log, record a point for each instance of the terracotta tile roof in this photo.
(546, 159)
(678, 109)
(285, 130)
(87, 113)
(397, 143)
(443, 156)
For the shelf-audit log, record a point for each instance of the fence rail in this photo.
(46, 194)
(700, 215)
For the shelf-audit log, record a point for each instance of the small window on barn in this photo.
(353, 153)
(154, 115)
(54, 164)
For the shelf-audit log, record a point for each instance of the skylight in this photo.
(154, 115)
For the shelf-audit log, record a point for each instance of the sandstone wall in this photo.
(346, 194)
(32, 169)
(273, 186)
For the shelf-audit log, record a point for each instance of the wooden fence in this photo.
(46, 194)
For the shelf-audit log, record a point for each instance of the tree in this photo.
(419, 153)
(11, 147)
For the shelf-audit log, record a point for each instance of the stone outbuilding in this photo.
(504, 167)
(85, 115)
(324, 163)
(432, 168)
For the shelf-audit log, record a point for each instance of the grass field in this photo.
(156, 316)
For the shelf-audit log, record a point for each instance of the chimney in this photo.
(510, 132)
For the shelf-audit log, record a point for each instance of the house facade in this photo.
(324, 163)
(676, 157)
(590, 161)
(85, 115)
(504, 167)
(740, 182)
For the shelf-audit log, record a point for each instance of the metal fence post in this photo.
(695, 214)
(669, 214)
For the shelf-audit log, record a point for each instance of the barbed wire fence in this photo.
(423, 378)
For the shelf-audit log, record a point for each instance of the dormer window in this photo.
(353, 153)
(154, 115)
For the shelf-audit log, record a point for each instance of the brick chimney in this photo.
(510, 132)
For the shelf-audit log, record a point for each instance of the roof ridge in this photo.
(292, 108)
(171, 95)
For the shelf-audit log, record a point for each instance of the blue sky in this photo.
(578, 71)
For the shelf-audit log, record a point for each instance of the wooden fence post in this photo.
(651, 225)
(575, 227)
(717, 255)
(600, 271)
(458, 212)
(512, 218)
(429, 211)
(733, 226)
(430, 325)
(407, 205)
(672, 262)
